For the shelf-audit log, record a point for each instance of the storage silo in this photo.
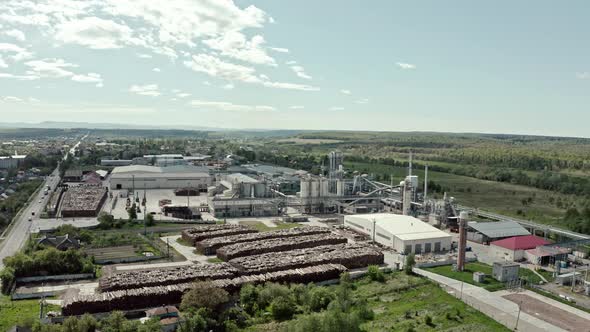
(305, 188)
(315, 188)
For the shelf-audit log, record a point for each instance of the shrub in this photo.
(204, 295)
(319, 298)
(375, 273)
(282, 308)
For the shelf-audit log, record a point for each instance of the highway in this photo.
(20, 229)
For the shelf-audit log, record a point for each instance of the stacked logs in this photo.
(350, 255)
(165, 276)
(209, 246)
(196, 234)
(229, 252)
(172, 294)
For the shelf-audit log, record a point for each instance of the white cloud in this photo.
(16, 34)
(583, 75)
(144, 56)
(235, 45)
(345, 92)
(228, 86)
(271, 20)
(214, 67)
(10, 48)
(89, 78)
(280, 49)
(157, 70)
(145, 90)
(182, 95)
(297, 107)
(3, 63)
(336, 108)
(404, 65)
(52, 68)
(300, 72)
(11, 99)
(95, 33)
(19, 77)
(362, 101)
(207, 83)
(290, 62)
(226, 106)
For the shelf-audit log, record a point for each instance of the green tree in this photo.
(149, 220)
(249, 298)
(409, 265)
(320, 298)
(375, 273)
(282, 308)
(193, 323)
(204, 295)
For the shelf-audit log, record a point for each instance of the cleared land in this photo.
(549, 313)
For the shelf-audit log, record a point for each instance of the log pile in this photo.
(229, 252)
(209, 246)
(165, 276)
(350, 255)
(196, 234)
(172, 294)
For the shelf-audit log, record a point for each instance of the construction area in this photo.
(82, 201)
(304, 254)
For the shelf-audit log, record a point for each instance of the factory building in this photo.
(14, 161)
(405, 234)
(154, 177)
(486, 232)
(222, 207)
(513, 248)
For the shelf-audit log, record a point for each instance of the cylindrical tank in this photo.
(340, 187)
(324, 187)
(305, 188)
(315, 188)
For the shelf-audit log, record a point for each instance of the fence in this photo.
(61, 277)
(27, 296)
(446, 262)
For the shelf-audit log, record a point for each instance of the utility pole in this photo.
(517, 318)
(574, 278)
(374, 223)
(425, 182)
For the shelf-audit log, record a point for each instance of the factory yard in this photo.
(153, 197)
(561, 317)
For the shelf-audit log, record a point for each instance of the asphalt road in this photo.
(15, 238)
(21, 228)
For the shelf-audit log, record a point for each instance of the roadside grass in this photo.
(546, 274)
(214, 260)
(15, 312)
(504, 198)
(466, 276)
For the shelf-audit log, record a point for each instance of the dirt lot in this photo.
(549, 313)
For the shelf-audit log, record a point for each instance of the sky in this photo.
(462, 66)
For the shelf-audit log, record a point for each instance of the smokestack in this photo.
(410, 165)
(425, 182)
(463, 216)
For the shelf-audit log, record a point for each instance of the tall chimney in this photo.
(463, 216)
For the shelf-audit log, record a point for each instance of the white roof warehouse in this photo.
(153, 177)
(405, 234)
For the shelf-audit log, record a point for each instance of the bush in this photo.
(7, 276)
(409, 265)
(282, 308)
(319, 298)
(271, 291)
(249, 298)
(375, 273)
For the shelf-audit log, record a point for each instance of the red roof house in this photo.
(512, 248)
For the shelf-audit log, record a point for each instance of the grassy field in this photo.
(261, 227)
(504, 198)
(403, 302)
(489, 283)
(14, 312)
(466, 276)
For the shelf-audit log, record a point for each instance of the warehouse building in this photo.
(242, 207)
(154, 177)
(405, 234)
(513, 249)
(13, 161)
(486, 232)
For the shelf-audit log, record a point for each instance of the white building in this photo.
(13, 161)
(153, 177)
(405, 234)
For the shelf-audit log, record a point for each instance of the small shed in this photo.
(479, 277)
(505, 271)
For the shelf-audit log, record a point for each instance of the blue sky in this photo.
(461, 66)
